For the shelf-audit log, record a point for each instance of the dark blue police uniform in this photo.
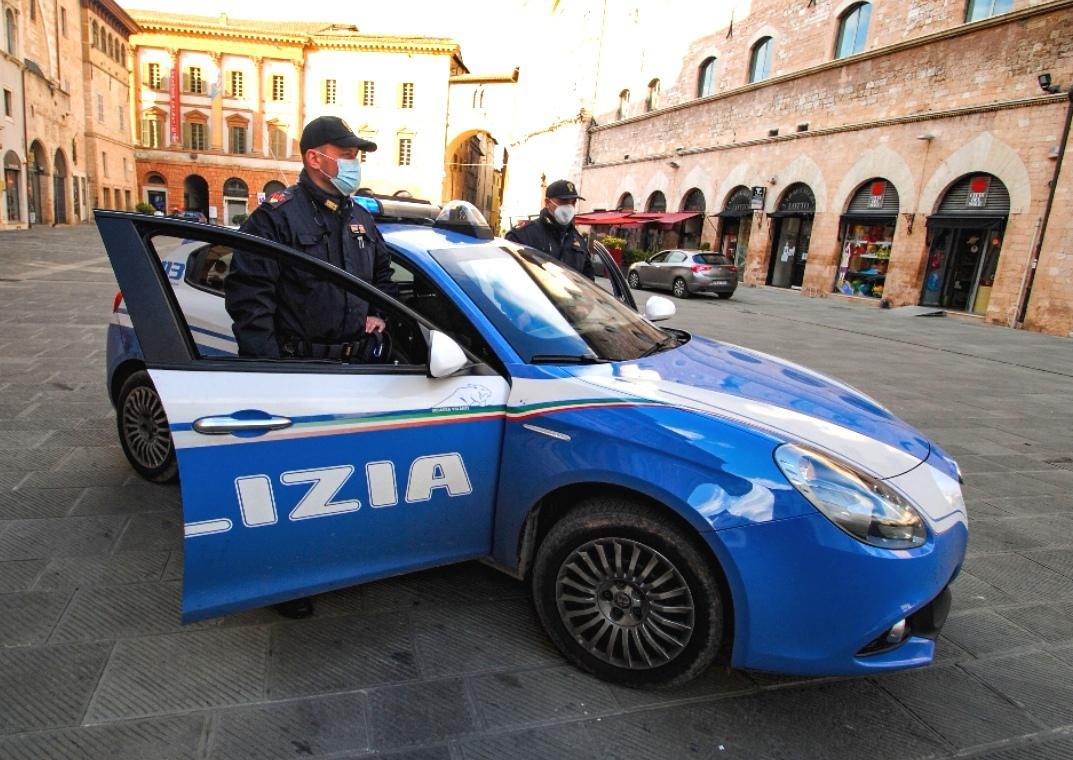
(279, 311)
(563, 243)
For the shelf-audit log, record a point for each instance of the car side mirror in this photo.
(445, 356)
(658, 308)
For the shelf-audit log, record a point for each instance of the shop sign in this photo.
(875, 199)
(756, 203)
(978, 187)
(173, 103)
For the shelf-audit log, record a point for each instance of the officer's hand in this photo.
(374, 324)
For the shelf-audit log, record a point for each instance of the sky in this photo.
(481, 27)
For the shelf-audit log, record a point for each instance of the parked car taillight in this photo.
(117, 301)
(701, 267)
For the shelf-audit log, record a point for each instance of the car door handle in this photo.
(226, 424)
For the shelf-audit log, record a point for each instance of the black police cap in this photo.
(562, 189)
(331, 130)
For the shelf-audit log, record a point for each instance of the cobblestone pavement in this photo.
(452, 663)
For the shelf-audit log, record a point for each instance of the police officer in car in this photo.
(554, 232)
(281, 313)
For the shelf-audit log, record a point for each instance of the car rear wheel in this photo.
(143, 429)
(627, 596)
(679, 288)
(634, 280)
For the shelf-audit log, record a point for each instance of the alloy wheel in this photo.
(625, 603)
(145, 427)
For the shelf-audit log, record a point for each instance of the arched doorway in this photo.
(156, 191)
(476, 171)
(236, 200)
(625, 203)
(652, 237)
(59, 188)
(12, 194)
(196, 194)
(965, 240)
(35, 188)
(693, 227)
(272, 187)
(867, 237)
(735, 226)
(793, 228)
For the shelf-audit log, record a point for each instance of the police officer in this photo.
(554, 232)
(279, 312)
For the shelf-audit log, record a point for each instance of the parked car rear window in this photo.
(711, 258)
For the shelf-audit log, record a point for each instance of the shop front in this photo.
(793, 228)
(964, 244)
(867, 236)
(735, 222)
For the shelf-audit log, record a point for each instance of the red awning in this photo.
(635, 218)
(610, 218)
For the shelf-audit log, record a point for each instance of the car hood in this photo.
(777, 396)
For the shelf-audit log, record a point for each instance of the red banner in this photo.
(173, 97)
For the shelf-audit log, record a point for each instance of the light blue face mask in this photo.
(348, 177)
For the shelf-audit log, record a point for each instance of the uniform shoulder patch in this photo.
(279, 198)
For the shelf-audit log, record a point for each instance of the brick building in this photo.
(221, 104)
(899, 151)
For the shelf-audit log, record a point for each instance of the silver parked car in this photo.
(685, 273)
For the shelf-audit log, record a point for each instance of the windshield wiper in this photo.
(671, 341)
(566, 359)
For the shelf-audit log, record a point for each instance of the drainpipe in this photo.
(26, 147)
(1022, 310)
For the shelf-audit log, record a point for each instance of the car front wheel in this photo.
(627, 596)
(143, 429)
(634, 280)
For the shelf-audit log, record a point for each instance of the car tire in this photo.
(672, 639)
(634, 280)
(679, 288)
(724, 296)
(143, 429)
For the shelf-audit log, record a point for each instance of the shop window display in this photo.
(865, 257)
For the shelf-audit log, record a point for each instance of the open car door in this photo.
(300, 476)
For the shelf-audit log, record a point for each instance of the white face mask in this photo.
(564, 214)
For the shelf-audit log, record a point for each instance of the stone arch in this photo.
(984, 154)
(742, 174)
(475, 170)
(59, 187)
(804, 170)
(697, 178)
(877, 162)
(39, 197)
(657, 181)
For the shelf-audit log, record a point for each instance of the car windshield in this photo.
(547, 311)
(711, 258)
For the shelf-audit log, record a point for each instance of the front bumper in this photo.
(808, 598)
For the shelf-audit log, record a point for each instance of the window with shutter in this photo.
(329, 91)
(407, 95)
(236, 85)
(277, 87)
(152, 77)
(368, 93)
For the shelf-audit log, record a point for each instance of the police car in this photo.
(670, 498)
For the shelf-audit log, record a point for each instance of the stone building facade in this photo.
(13, 210)
(106, 60)
(899, 152)
(221, 103)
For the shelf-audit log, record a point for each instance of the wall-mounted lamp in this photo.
(926, 136)
(773, 180)
(1053, 153)
(673, 164)
(1046, 84)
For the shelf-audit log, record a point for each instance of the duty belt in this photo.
(294, 346)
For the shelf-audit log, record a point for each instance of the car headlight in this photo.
(863, 506)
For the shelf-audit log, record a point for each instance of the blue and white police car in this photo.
(671, 499)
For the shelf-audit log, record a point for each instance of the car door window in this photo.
(676, 257)
(197, 271)
(659, 258)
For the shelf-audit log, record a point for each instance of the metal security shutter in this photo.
(956, 200)
(861, 204)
